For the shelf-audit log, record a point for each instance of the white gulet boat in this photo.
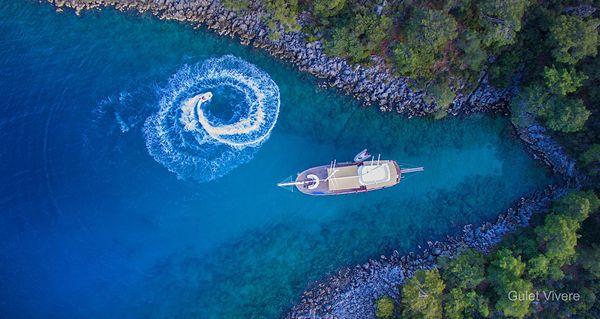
(364, 174)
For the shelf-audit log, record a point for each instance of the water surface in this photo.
(92, 226)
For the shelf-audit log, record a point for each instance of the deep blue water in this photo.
(94, 226)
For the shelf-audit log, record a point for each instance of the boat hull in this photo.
(323, 188)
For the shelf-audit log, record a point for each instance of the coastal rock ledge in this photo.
(372, 85)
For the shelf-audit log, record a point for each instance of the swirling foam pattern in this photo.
(208, 141)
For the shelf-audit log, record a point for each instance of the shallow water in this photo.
(93, 226)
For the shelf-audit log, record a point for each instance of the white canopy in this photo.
(374, 174)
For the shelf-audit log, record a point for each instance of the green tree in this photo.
(502, 70)
(501, 20)
(577, 205)
(529, 103)
(474, 56)
(422, 295)
(581, 308)
(537, 267)
(459, 304)
(573, 38)
(505, 268)
(515, 308)
(565, 115)
(589, 259)
(591, 159)
(505, 272)
(563, 81)
(466, 270)
(357, 40)
(559, 113)
(558, 235)
(455, 304)
(328, 8)
(458, 8)
(440, 92)
(535, 98)
(281, 13)
(523, 243)
(385, 308)
(427, 33)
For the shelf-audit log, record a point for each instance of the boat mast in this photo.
(410, 170)
(284, 184)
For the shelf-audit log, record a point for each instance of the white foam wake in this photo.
(207, 142)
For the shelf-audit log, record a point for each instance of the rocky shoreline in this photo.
(351, 293)
(372, 85)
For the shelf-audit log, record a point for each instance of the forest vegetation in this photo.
(549, 48)
(561, 253)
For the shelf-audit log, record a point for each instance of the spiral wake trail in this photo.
(205, 141)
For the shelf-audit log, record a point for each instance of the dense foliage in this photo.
(547, 257)
(357, 39)
(422, 295)
(549, 47)
(385, 308)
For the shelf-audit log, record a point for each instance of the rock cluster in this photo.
(544, 148)
(375, 84)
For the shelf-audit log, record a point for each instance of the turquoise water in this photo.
(93, 226)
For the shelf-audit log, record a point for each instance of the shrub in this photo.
(501, 20)
(466, 270)
(360, 37)
(422, 295)
(563, 81)
(573, 38)
(384, 308)
(591, 159)
(427, 33)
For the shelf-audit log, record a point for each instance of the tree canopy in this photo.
(422, 295)
(565, 114)
(360, 37)
(328, 8)
(459, 304)
(465, 271)
(282, 13)
(562, 81)
(385, 308)
(525, 262)
(559, 113)
(577, 205)
(501, 20)
(506, 272)
(573, 38)
(427, 33)
(591, 159)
